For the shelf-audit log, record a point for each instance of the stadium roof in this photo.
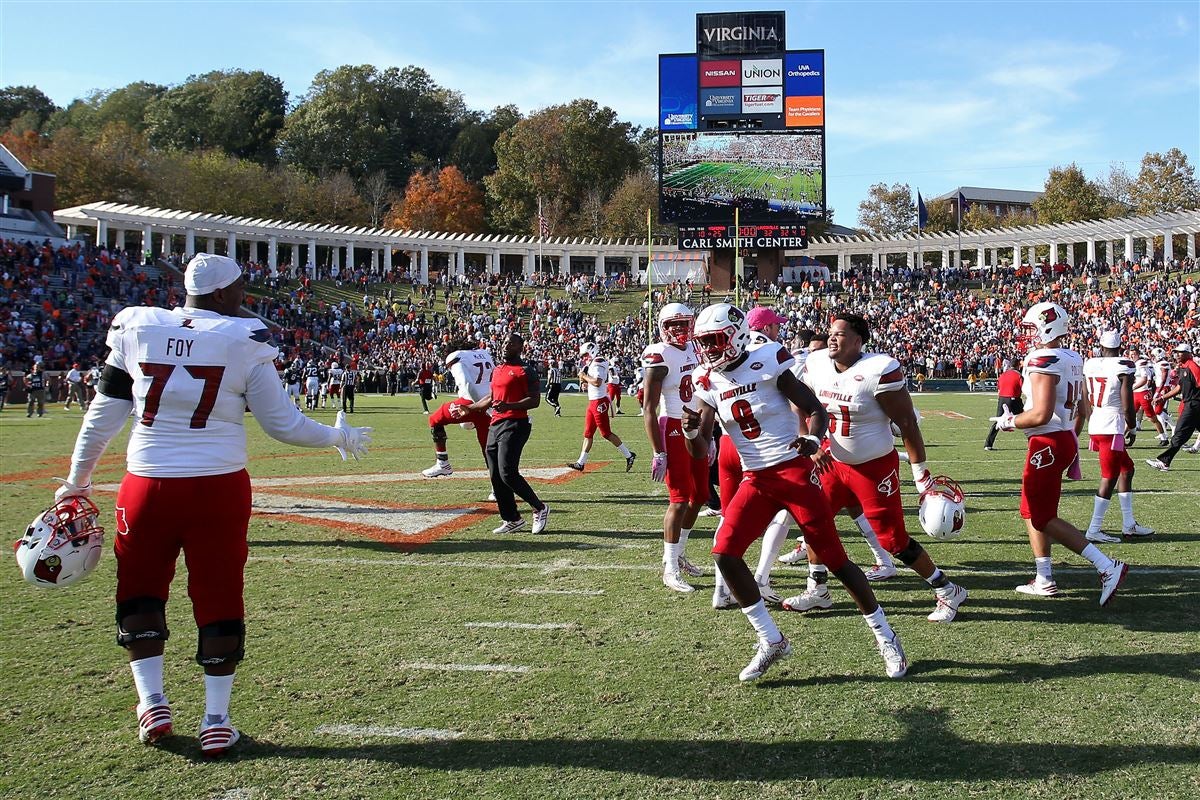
(982, 195)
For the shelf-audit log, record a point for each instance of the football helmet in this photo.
(721, 335)
(943, 511)
(1043, 323)
(62, 545)
(896, 428)
(1158, 354)
(334, 365)
(675, 322)
(588, 350)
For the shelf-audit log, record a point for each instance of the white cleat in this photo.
(795, 556)
(769, 595)
(947, 605)
(216, 738)
(1158, 464)
(438, 470)
(491, 497)
(709, 512)
(1111, 581)
(154, 721)
(722, 600)
(688, 568)
(1039, 588)
(894, 661)
(674, 581)
(510, 527)
(1136, 530)
(1100, 537)
(810, 599)
(764, 656)
(881, 572)
(1193, 449)
(540, 518)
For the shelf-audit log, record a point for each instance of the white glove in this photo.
(658, 468)
(712, 454)
(922, 477)
(69, 489)
(354, 440)
(1004, 422)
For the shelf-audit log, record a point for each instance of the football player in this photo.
(1143, 394)
(667, 383)
(755, 396)
(291, 378)
(865, 393)
(1111, 431)
(1055, 409)
(1164, 381)
(593, 372)
(614, 391)
(472, 371)
(312, 385)
(188, 375)
(334, 383)
(1187, 389)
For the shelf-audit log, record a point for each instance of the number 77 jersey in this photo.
(190, 370)
(859, 429)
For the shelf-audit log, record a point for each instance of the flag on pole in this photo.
(963, 205)
(922, 213)
(543, 223)
(649, 277)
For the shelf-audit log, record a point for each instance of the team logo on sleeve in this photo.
(1042, 458)
(890, 484)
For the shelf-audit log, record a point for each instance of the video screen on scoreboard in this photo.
(771, 176)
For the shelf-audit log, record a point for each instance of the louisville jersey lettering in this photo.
(1103, 376)
(677, 385)
(1067, 365)
(472, 372)
(859, 429)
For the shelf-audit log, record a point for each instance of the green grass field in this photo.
(742, 177)
(624, 690)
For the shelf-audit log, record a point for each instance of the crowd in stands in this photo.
(57, 302)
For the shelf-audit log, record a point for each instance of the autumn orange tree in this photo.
(445, 201)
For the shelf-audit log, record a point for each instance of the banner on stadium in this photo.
(720, 101)
(677, 92)
(762, 72)
(752, 33)
(720, 73)
(804, 73)
(753, 237)
(762, 99)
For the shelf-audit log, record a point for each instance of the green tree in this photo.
(1165, 182)
(1069, 196)
(25, 103)
(625, 211)
(1117, 188)
(115, 167)
(888, 210)
(474, 148)
(941, 218)
(558, 154)
(240, 113)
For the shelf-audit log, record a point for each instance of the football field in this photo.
(744, 178)
(398, 649)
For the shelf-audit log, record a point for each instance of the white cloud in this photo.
(1052, 68)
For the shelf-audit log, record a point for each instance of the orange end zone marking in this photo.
(389, 537)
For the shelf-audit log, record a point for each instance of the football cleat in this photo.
(216, 738)
(441, 468)
(491, 497)
(1039, 588)
(510, 526)
(1193, 449)
(881, 572)
(768, 594)
(1111, 580)
(576, 466)
(894, 661)
(674, 581)
(709, 511)
(1101, 537)
(154, 721)
(722, 600)
(688, 568)
(947, 605)
(1136, 530)
(540, 518)
(1158, 464)
(629, 461)
(797, 556)
(810, 599)
(765, 655)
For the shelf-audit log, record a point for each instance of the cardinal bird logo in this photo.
(887, 486)
(1042, 458)
(1047, 316)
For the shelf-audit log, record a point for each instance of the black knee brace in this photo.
(439, 434)
(911, 552)
(219, 630)
(128, 635)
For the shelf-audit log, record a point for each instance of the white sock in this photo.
(764, 626)
(671, 553)
(1099, 508)
(1101, 562)
(878, 623)
(583, 457)
(624, 450)
(217, 689)
(818, 577)
(881, 556)
(776, 533)
(148, 679)
(719, 586)
(1126, 501)
(1044, 570)
(684, 533)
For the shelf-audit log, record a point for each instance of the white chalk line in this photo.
(580, 592)
(379, 731)
(424, 665)
(522, 626)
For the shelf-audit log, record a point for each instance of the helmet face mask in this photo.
(1043, 323)
(721, 335)
(675, 322)
(943, 509)
(62, 545)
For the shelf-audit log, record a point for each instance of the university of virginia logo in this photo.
(1042, 458)
(889, 485)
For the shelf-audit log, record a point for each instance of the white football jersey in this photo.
(1143, 375)
(194, 375)
(335, 376)
(1103, 376)
(1068, 366)
(677, 385)
(859, 429)
(750, 407)
(614, 376)
(472, 372)
(1164, 375)
(597, 368)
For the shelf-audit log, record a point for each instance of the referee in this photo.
(1008, 389)
(1187, 389)
(554, 386)
(514, 391)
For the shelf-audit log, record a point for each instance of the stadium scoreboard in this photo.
(753, 237)
(742, 125)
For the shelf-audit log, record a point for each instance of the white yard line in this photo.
(522, 626)
(379, 731)
(582, 592)
(545, 473)
(423, 665)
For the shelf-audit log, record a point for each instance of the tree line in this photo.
(362, 146)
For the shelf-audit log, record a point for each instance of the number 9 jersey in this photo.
(1068, 393)
(859, 428)
(194, 372)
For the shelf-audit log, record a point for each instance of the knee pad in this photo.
(911, 552)
(439, 433)
(234, 629)
(128, 635)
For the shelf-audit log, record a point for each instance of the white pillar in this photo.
(148, 241)
(349, 256)
(1191, 245)
(120, 241)
(1168, 245)
(273, 255)
(212, 245)
(1091, 249)
(231, 246)
(374, 261)
(335, 257)
(312, 258)
(1071, 253)
(189, 243)
(424, 265)
(881, 259)
(295, 257)
(385, 259)
(564, 264)
(530, 264)
(101, 234)
(980, 257)
(1129, 247)
(496, 259)
(1053, 253)
(945, 258)
(460, 262)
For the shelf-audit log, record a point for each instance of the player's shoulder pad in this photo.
(652, 356)
(1042, 359)
(771, 358)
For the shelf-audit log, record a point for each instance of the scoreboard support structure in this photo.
(721, 267)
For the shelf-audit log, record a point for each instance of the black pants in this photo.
(1185, 426)
(1014, 405)
(552, 394)
(506, 439)
(348, 399)
(426, 396)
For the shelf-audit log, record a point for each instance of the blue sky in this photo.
(931, 94)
